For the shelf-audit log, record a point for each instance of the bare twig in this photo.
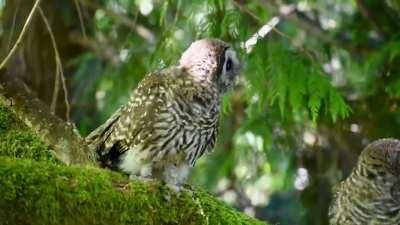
(67, 106)
(261, 33)
(56, 55)
(247, 11)
(308, 25)
(59, 70)
(142, 31)
(56, 90)
(311, 26)
(369, 17)
(21, 35)
(78, 9)
(266, 28)
(102, 49)
(10, 37)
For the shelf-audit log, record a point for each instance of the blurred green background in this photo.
(312, 94)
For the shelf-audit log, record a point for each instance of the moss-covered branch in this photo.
(68, 146)
(38, 189)
(43, 193)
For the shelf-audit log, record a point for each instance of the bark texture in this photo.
(60, 136)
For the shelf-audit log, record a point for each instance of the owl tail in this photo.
(98, 136)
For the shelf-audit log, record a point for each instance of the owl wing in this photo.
(333, 208)
(395, 192)
(131, 124)
(104, 130)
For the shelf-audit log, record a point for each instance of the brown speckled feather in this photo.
(370, 195)
(172, 117)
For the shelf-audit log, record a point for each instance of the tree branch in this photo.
(369, 17)
(125, 20)
(59, 71)
(78, 9)
(309, 25)
(67, 144)
(270, 25)
(21, 35)
(51, 194)
(102, 49)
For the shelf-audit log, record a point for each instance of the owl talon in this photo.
(180, 189)
(175, 188)
(140, 178)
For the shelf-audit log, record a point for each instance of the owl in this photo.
(371, 194)
(172, 118)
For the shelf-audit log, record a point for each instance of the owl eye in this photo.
(228, 64)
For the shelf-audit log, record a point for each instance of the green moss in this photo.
(23, 144)
(8, 121)
(36, 190)
(17, 141)
(45, 193)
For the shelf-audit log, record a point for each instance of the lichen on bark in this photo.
(38, 189)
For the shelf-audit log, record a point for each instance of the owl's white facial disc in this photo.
(231, 61)
(231, 68)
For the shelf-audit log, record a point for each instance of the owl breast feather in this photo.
(169, 118)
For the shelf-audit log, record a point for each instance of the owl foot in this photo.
(180, 189)
(140, 178)
(174, 187)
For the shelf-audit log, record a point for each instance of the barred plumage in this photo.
(172, 117)
(371, 194)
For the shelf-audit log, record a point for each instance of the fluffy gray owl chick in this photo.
(172, 117)
(371, 194)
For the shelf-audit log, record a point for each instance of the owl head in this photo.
(382, 155)
(211, 61)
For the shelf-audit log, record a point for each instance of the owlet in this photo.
(371, 194)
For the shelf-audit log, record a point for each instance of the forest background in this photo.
(312, 94)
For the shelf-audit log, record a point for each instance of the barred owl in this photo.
(371, 194)
(172, 118)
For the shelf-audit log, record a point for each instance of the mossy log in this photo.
(37, 189)
(67, 144)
